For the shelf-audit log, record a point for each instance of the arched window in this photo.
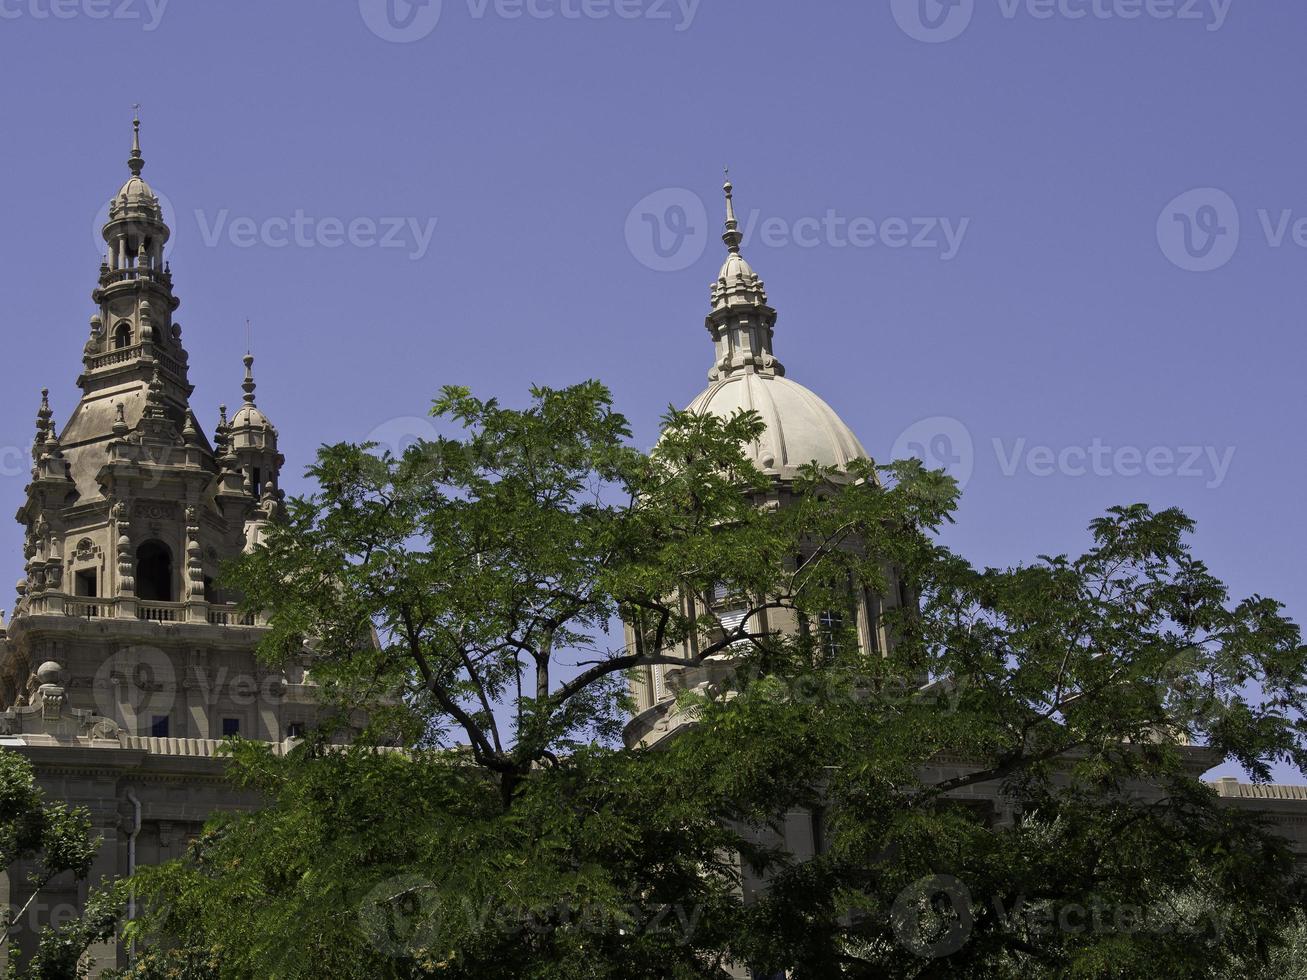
(154, 572)
(122, 336)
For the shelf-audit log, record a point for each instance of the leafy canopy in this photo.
(467, 594)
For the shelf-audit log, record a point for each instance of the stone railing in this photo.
(85, 608)
(122, 355)
(230, 616)
(127, 607)
(161, 612)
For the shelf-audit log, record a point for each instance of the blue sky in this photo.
(1054, 243)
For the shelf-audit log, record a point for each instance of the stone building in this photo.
(801, 428)
(123, 665)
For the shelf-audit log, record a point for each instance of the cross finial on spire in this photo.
(733, 235)
(137, 162)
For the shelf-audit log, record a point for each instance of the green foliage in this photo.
(515, 836)
(50, 840)
(60, 953)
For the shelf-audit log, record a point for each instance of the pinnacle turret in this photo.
(248, 385)
(740, 322)
(136, 163)
(253, 439)
(732, 236)
(43, 417)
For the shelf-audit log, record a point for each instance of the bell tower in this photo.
(124, 664)
(130, 514)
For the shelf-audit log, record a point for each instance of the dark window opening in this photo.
(122, 336)
(85, 585)
(258, 482)
(159, 726)
(295, 729)
(905, 595)
(231, 727)
(154, 572)
(210, 593)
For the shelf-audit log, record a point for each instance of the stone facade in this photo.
(123, 664)
(802, 428)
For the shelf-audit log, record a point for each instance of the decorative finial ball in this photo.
(49, 672)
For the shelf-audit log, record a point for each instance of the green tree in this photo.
(515, 836)
(48, 841)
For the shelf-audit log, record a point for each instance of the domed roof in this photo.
(135, 198)
(736, 266)
(136, 193)
(249, 416)
(801, 427)
(250, 428)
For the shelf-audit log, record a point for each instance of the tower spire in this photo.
(733, 236)
(43, 415)
(248, 384)
(137, 162)
(741, 320)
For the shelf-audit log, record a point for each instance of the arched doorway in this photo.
(154, 572)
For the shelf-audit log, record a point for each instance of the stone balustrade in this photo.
(128, 607)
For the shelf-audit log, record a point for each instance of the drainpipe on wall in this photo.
(131, 859)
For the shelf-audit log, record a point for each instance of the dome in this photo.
(736, 266)
(801, 427)
(250, 429)
(136, 196)
(249, 416)
(135, 191)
